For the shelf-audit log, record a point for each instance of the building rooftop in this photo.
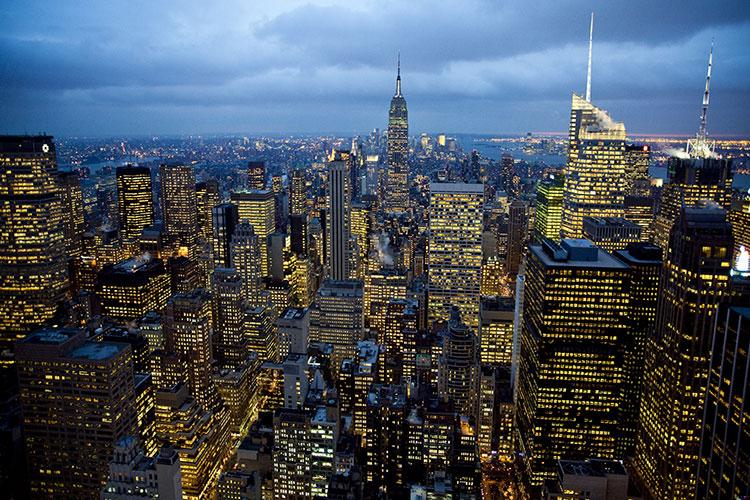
(51, 336)
(292, 313)
(574, 253)
(97, 351)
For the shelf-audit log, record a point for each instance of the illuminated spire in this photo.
(398, 76)
(701, 147)
(704, 111)
(588, 74)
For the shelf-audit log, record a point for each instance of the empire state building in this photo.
(397, 184)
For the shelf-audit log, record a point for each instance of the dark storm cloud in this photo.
(95, 67)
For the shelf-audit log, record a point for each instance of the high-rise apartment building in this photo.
(549, 202)
(595, 176)
(258, 208)
(694, 281)
(291, 457)
(570, 373)
(78, 400)
(397, 183)
(178, 207)
(135, 201)
(455, 250)
(33, 274)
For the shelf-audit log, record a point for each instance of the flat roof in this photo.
(97, 351)
(603, 258)
(50, 336)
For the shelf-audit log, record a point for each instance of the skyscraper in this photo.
(178, 206)
(455, 250)
(74, 225)
(637, 157)
(258, 208)
(78, 401)
(229, 342)
(397, 191)
(225, 219)
(338, 220)
(496, 330)
(724, 469)
(135, 202)
(246, 258)
(187, 334)
(694, 281)
(256, 175)
(518, 231)
(645, 263)
(207, 196)
(549, 202)
(458, 372)
(336, 317)
(130, 289)
(573, 337)
(697, 176)
(33, 275)
(595, 176)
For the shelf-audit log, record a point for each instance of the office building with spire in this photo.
(397, 183)
(595, 175)
(697, 175)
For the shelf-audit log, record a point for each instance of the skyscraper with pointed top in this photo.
(697, 176)
(595, 176)
(397, 192)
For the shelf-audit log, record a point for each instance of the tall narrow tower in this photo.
(397, 192)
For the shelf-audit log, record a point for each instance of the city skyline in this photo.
(475, 69)
(384, 316)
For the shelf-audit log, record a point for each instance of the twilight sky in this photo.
(484, 66)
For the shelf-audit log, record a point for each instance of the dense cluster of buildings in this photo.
(366, 329)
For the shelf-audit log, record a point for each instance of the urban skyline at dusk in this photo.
(449, 301)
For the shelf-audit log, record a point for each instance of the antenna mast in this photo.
(588, 74)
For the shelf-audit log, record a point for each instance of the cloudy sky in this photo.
(200, 66)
